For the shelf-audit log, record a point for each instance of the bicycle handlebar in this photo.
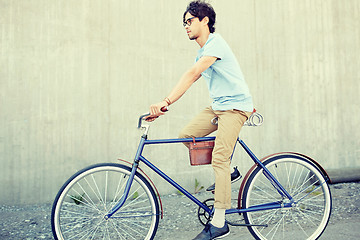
(163, 109)
(141, 118)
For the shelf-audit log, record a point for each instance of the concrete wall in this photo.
(75, 75)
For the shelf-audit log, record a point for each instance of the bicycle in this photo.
(284, 195)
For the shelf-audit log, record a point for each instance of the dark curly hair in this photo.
(201, 9)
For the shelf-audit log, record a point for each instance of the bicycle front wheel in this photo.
(310, 213)
(80, 206)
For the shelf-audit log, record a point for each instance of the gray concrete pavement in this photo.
(180, 218)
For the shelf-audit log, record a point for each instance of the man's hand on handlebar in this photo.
(156, 110)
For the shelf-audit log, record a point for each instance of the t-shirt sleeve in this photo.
(214, 48)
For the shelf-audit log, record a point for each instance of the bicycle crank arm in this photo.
(247, 225)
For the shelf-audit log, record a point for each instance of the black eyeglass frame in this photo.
(188, 21)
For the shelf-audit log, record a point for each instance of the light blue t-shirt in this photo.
(224, 78)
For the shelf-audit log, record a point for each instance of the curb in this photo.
(344, 175)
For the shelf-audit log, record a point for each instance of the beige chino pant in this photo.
(228, 129)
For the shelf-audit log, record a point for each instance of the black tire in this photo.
(307, 218)
(83, 201)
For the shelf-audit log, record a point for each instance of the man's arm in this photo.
(185, 82)
(190, 76)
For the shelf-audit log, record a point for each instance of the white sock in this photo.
(218, 219)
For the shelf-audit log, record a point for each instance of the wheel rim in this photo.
(84, 202)
(309, 215)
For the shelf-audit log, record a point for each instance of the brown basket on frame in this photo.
(201, 152)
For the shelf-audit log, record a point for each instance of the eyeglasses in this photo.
(188, 21)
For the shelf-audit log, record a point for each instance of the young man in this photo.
(232, 104)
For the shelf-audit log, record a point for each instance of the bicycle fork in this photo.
(130, 180)
(126, 192)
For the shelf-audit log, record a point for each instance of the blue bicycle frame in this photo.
(139, 158)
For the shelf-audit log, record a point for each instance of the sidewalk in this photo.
(180, 218)
(344, 222)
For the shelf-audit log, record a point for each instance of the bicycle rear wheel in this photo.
(83, 201)
(307, 218)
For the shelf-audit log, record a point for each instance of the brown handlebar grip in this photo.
(164, 109)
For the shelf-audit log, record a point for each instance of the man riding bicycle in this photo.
(232, 104)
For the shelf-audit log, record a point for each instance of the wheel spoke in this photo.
(83, 202)
(306, 218)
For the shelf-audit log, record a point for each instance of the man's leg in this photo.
(200, 126)
(229, 126)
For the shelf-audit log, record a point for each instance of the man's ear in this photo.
(205, 20)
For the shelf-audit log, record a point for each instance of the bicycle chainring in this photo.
(203, 216)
